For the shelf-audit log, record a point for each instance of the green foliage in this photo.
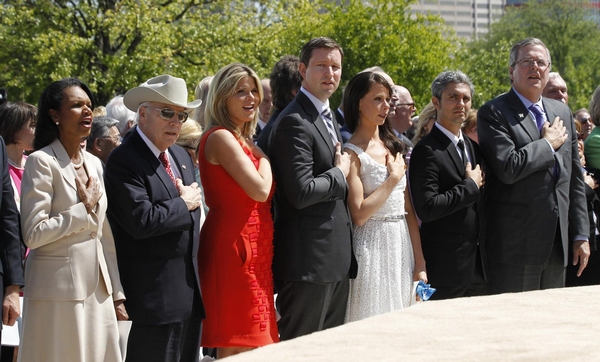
(566, 29)
(114, 45)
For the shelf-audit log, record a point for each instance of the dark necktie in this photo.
(165, 161)
(329, 123)
(463, 153)
(540, 116)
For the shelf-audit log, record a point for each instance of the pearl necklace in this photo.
(77, 166)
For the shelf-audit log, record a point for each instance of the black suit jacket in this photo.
(446, 202)
(522, 199)
(339, 117)
(156, 237)
(313, 238)
(263, 139)
(11, 261)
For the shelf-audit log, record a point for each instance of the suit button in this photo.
(93, 234)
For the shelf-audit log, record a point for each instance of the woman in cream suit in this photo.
(73, 295)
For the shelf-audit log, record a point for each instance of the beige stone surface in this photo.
(551, 325)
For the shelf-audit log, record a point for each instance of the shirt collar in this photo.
(151, 146)
(526, 102)
(454, 138)
(319, 105)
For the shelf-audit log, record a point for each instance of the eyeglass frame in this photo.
(412, 105)
(160, 113)
(534, 62)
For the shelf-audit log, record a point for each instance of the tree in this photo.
(566, 29)
(114, 45)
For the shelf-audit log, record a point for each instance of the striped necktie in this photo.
(326, 115)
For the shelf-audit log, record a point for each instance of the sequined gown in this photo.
(234, 261)
(383, 249)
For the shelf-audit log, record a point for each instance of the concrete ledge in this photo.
(551, 325)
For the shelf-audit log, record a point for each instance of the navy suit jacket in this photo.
(523, 202)
(447, 204)
(11, 261)
(156, 236)
(313, 236)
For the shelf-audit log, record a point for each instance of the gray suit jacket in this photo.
(522, 199)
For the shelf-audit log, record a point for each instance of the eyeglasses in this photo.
(528, 63)
(585, 120)
(115, 139)
(410, 105)
(167, 114)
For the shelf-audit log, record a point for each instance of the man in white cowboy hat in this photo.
(154, 214)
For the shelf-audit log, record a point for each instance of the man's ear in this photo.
(436, 103)
(302, 70)
(96, 145)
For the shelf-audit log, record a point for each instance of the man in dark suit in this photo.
(11, 261)
(285, 81)
(154, 214)
(313, 241)
(534, 185)
(445, 178)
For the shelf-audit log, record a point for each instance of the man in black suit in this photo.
(11, 261)
(313, 241)
(285, 81)
(154, 214)
(534, 185)
(445, 178)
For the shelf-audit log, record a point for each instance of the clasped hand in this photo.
(190, 194)
(395, 165)
(555, 134)
(89, 194)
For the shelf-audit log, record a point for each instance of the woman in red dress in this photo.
(236, 241)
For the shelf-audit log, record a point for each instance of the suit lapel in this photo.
(64, 162)
(181, 165)
(523, 116)
(316, 119)
(450, 150)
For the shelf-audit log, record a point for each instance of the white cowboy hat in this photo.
(162, 89)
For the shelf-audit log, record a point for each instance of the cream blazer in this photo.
(69, 247)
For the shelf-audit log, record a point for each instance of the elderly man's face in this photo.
(404, 108)
(556, 89)
(586, 124)
(161, 132)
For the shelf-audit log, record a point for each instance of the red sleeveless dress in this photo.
(234, 261)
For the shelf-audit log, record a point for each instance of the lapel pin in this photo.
(183, 167)
(521, 115)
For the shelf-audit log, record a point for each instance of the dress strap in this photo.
(354, 148)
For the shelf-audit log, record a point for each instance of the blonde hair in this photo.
(426, 114)
(189, 136)
(222, 87)
(201, 93)
(471, 121)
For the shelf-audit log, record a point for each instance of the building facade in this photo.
(469, 18)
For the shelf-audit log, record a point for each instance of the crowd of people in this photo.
(187, 218)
